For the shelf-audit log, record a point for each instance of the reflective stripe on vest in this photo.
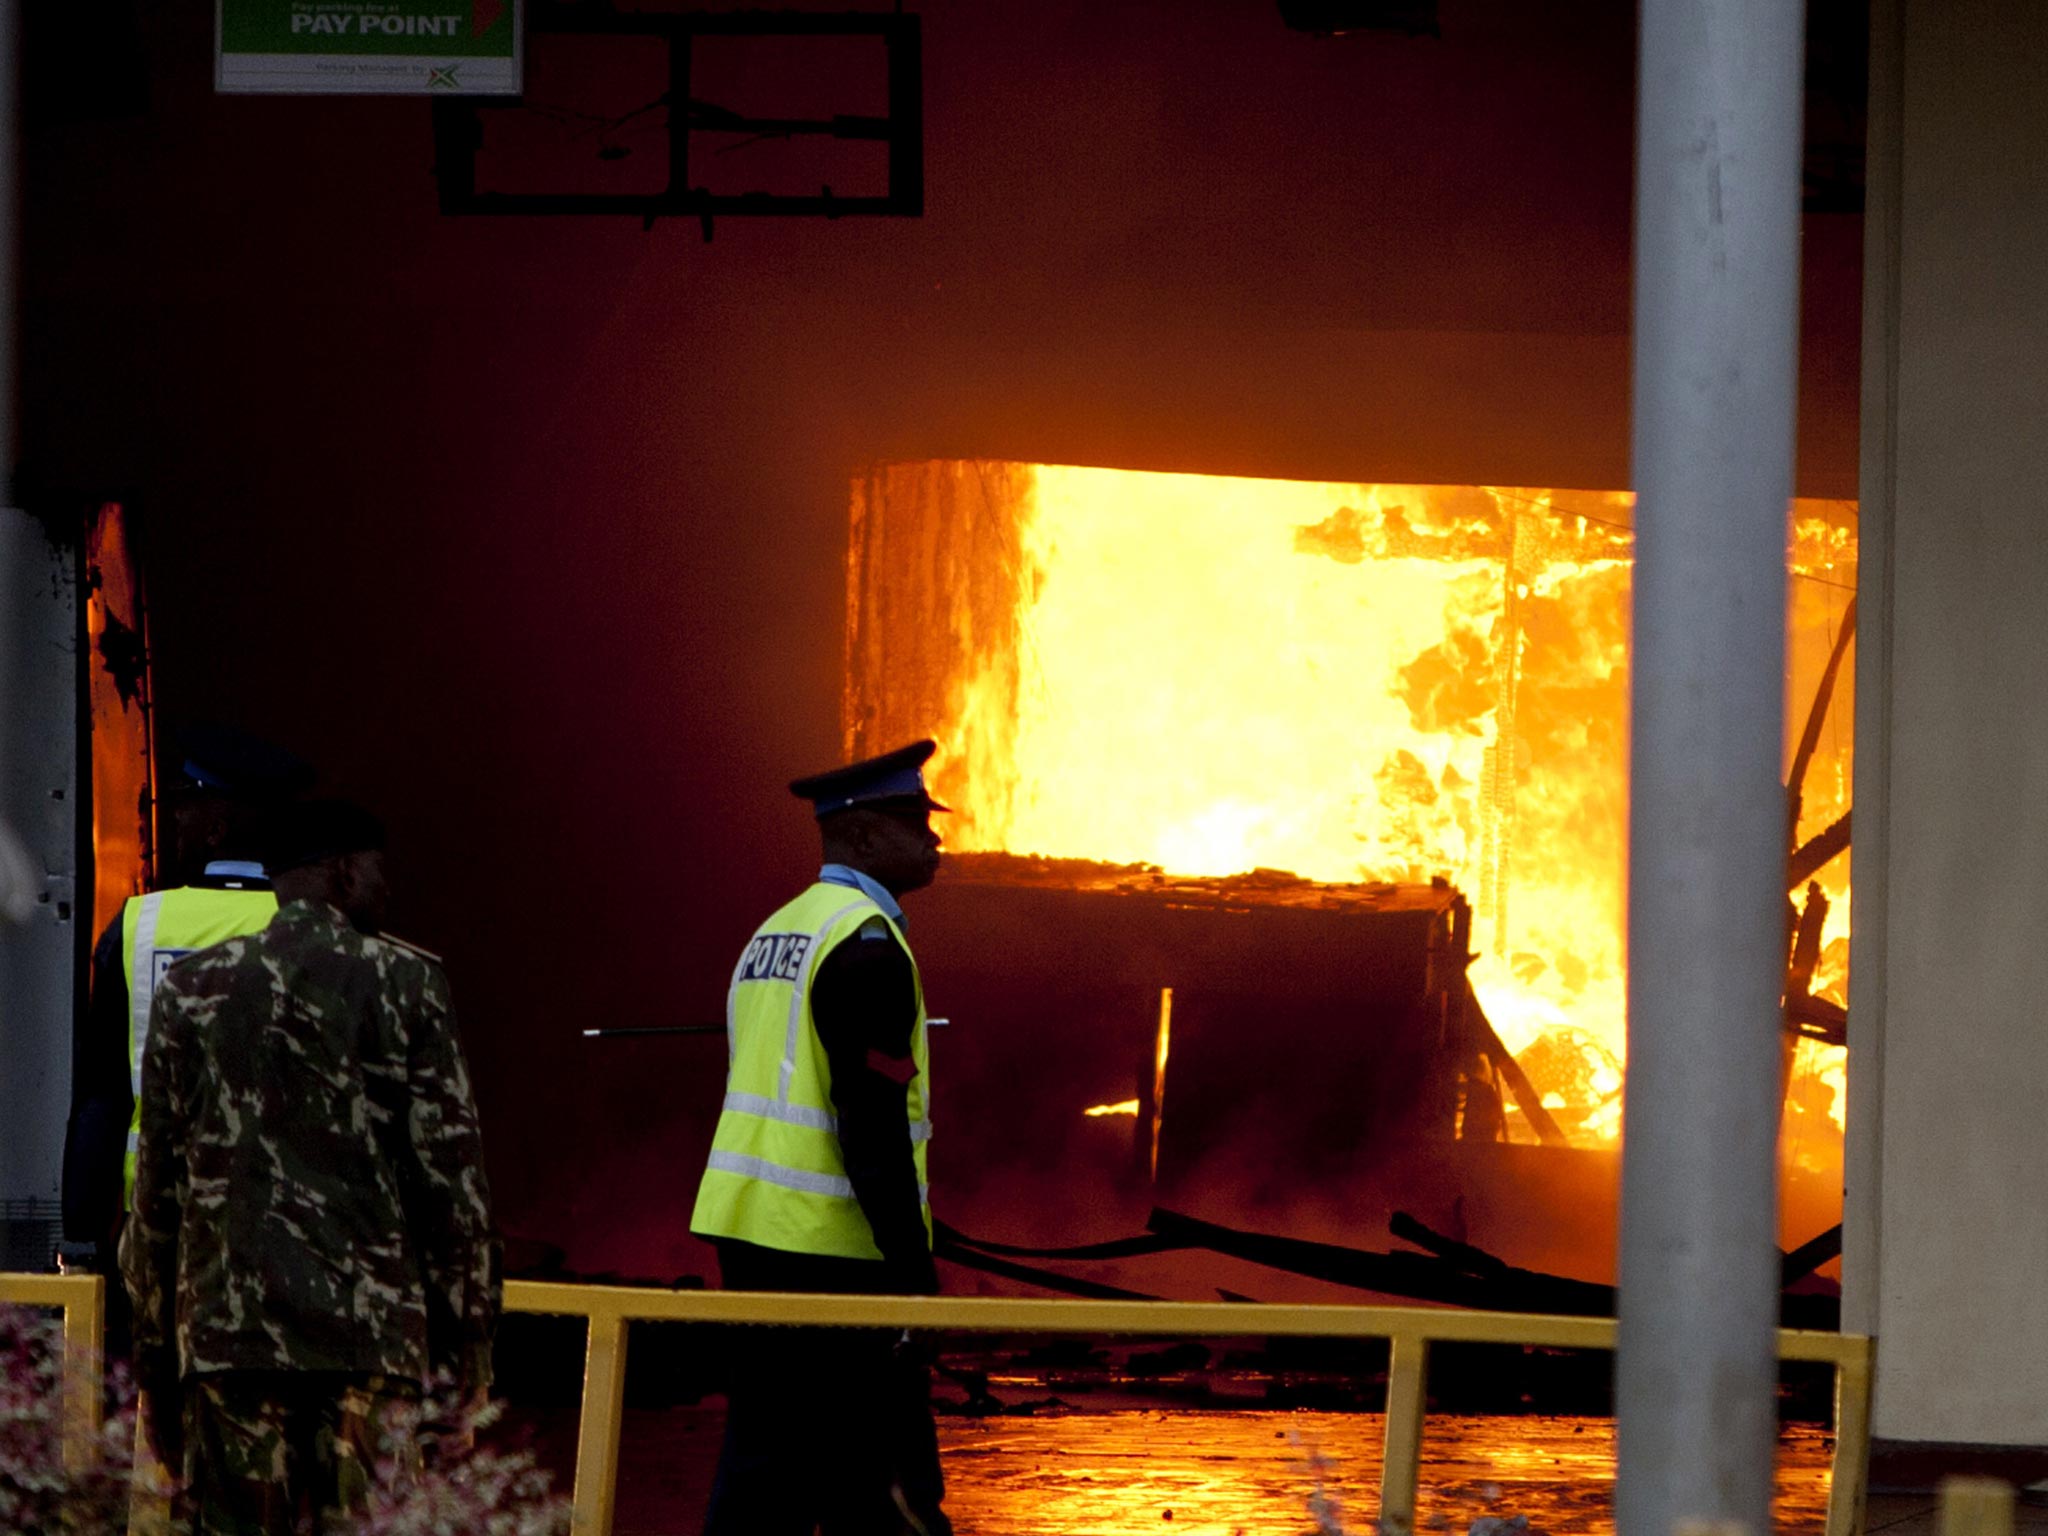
(790, 1178)
(158, 929)
(801, 1114)
(776, 1176)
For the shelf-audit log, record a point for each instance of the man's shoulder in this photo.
(876, 928)
(402, 967)
(407, 947)
(303, 931)
(271, 951)
(863, 916)
(873, 948)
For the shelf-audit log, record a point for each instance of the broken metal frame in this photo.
(458, 124)
(1409, 1332)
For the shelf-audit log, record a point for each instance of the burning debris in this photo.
(1223, 1008)
(1446, 1270)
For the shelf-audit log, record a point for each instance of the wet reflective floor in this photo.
(1185, 1472)
(1201, 1472)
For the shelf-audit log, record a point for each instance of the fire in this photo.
(1356, 683)
(1160, 1050)
(1823, 565)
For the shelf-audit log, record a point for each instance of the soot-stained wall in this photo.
(532, 531)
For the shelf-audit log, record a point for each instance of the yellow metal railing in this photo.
(1409, 1331)
(1976, 1506)
(83, 1301)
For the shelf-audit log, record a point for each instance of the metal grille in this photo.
(29, 1230)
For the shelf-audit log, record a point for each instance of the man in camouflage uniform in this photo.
(310, 1241)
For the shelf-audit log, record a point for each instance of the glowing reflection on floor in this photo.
(1187, 1472)
(1201, 1472)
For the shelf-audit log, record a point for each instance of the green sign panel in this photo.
(368, 47)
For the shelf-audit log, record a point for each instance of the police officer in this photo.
(817, 1178)
(310, 1240)
(217, 889)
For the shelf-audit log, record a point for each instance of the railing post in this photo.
(1407, 1370)
(1849, 1476)
(84, 1324)
(597, 1441)
(1976, 1506)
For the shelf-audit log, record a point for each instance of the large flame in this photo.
(1351, 682)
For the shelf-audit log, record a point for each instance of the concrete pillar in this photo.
(1715, 368)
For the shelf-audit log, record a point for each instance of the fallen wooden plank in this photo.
(1540, 1119)
(1807, 859)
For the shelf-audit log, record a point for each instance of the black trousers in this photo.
(827, 1429)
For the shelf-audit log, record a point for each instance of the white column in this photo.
(1716, 364)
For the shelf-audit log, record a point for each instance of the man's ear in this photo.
(853, 834)
(344, 878)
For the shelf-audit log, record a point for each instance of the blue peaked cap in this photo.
(229, 761)
(894, 777)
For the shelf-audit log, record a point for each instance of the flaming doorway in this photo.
(1367, 687)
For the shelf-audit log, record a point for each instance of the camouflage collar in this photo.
(305, 912)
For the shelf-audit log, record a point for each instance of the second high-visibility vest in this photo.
(158, 929)
(776, 1176)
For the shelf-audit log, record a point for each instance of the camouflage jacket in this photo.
(309, 1190)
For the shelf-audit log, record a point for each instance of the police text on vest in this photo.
(774, 957)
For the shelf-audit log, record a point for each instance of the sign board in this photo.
(367, 47)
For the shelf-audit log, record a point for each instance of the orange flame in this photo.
(1356, 683)
(1160, 1050)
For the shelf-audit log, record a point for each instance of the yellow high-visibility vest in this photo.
(775, 1176)
(157, 929)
